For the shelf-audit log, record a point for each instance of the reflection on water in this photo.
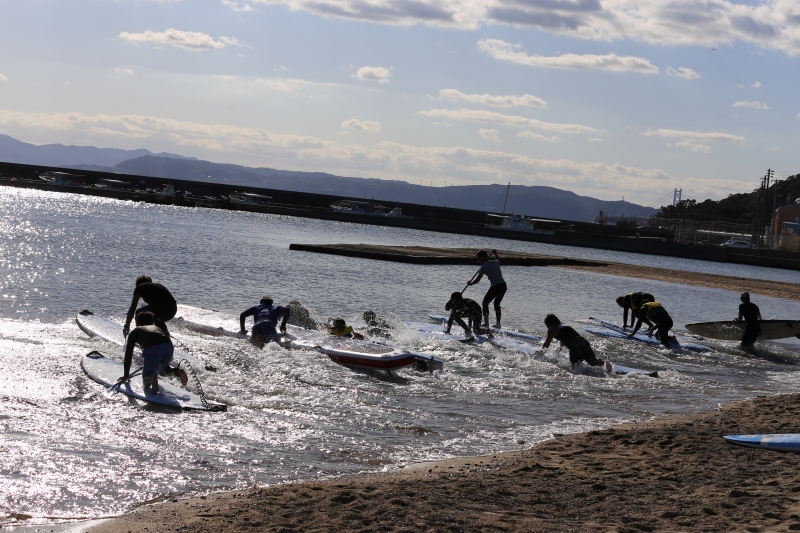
(68, 452)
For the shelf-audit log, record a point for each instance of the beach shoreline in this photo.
(672, 473)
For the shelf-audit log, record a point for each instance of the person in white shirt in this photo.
(496, 291)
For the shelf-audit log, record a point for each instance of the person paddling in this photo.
(157, 351)
(654, 314)
(579, 348)
(633, 301)
(461, 308)
(265, 320)
(751, 315)
(158, 300)
(497, 289)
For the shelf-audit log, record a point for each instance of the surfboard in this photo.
(619, 369)
(782, 442)
(107, 371)
(728, 330)
(495, 331)
(108, 330)
(612, 330)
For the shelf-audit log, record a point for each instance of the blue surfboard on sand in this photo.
(782, 442)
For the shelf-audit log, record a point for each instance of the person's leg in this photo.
(154, 384)
(485, 305)
(499, 293)
(460, 322)
(664, 325)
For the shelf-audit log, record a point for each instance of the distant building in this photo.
(785, 225)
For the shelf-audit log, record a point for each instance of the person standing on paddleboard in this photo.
(579, 348)
(633, 301)
(461, 308)
(654, 314)
(265, 320)
(158, 300)
(751, 315)
(157, 351)
(496, 291)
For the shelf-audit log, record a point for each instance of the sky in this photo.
(608, 98)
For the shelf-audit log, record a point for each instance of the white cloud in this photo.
(256, 146)
(773, 149)
(751, 105)
(536, 136)
(595, 140)
(757, 84)
(281, 67)
(3, 78)
(490, 135)
(192, 41)
(611, 62)
(683, 72)
(713, 136)
(797, 115)
(289, 84)
(125, 71)
(379, 74)
(527, 100)
(362, 125)
(694, 147)
(767, 23)
(492, 117)
(236, 7)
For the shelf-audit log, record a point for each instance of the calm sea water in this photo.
(67, 452)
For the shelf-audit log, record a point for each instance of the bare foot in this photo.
(154, 386)
(184, 377)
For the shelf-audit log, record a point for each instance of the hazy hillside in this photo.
(547, 202)
(59, 155)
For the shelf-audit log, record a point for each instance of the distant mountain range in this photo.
(546, 202)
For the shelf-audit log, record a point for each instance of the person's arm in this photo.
(759, 316)
(739, 318)
(249, 312)
(548, 340)
(131, 312)
(625, 318)
(476, 280)
(286, 312)
(131, 342)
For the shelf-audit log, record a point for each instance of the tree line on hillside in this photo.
(736, 208)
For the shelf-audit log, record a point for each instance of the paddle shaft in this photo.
(494, 253)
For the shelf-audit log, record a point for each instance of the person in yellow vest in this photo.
(633, 301)
(654, 314)
(340, 328)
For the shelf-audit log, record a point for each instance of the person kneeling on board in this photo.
(461, 308)
(654, 314)
(579, 348)
(340, 328)
(157, 350)
(497, 289)
(633, 301)
(751, 314)
(158, 300)
(265, 320)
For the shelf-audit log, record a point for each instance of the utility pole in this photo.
(760, 211)
(676, 196)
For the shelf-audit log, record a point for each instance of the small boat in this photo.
(357, 207)
(60, 178)
(249, 198)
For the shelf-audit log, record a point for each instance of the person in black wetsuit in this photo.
(158, 300)
(654, 314)
(497, 289)
(579, 348)
(157, 351)
(461, 308)
(751, 315)
(633, 301)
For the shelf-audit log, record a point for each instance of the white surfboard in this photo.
(782, 442)
(107, 371)
(728, 330)
(441, 319)
(612, 330)
(108, 330)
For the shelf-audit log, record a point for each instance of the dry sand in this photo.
(669, 474)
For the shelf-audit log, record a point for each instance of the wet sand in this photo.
(668, 474)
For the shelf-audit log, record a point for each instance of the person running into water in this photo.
(654, 314)
(299, 316)
(751, 315)
(157, 351)
(461, 308)
(497, 289)
(633, 301)
(158, 300)
(579, 348)
(340, 328)
(265, 320)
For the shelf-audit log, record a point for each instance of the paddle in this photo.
(114, 389)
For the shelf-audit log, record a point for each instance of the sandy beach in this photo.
(668, 474)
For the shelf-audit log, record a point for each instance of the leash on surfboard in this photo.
(208, 366)
(200, 391)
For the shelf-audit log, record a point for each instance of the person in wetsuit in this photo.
(158, 300)
(265, 320)
(633, 301)
(339, 328)
(461, 308)
(751, 315)
(157, 351)
(497, 289)
(299, 316)
(654, 314)
(579, 348)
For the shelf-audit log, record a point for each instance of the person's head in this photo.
(145, 319)
(551, 321)
(339, 323)
(456, 297)
(482, 257)
(266, 300)
(621, 301)
(143, 279)
(370, 317)
(745, 297)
